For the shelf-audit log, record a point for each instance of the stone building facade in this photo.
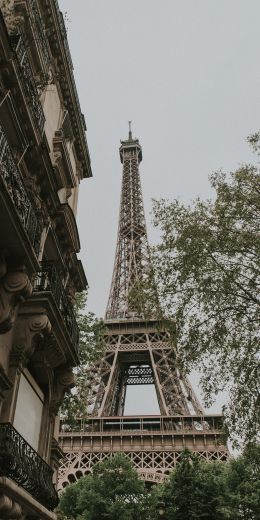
(43, 158)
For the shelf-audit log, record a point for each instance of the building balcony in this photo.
(35, 33)
(50, 302)
(28, 84)
(22, 464)
(48, 280)
(19, 226)
(60, 51)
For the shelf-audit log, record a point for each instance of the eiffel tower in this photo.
(137, 352)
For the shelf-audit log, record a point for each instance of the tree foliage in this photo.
(91, 346)
(198, 490)
(243, 485)
(195, 490)
(112, 492)
(207, 271)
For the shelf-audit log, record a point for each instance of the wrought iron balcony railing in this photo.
(14, 183)
(28, 81)
(70, 63)
(21, 463)
(40, 32)
(48, 279)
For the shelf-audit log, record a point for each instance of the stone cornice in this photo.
(59, 47)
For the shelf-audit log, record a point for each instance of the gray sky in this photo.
(186, 72)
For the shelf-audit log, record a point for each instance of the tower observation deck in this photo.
(138, 352)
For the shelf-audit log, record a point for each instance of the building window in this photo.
(28, 411)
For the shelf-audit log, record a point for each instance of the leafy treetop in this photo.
(91, 346)
(112, 492)
(206, 268)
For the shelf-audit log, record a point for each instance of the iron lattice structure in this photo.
(138, 352)
(132, 252)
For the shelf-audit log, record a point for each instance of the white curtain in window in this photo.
(28, 413)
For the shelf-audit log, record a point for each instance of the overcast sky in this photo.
(186, 72)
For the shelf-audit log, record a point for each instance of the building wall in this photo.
(51, 104)
(43, 159)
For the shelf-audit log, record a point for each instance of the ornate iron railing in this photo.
(70, 63)
(14, 183)
(28, 81)
(21, 463)
(40, 32)
(48, 279)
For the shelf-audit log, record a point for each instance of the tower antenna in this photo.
(130, 130)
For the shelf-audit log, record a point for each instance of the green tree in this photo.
(207, 271)
(243, 485)
(91, 346)
(198, 490)
(195, 490)
(112, 492)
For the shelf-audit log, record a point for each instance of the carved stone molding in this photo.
(52, 349)
(26, 330)
(33, 186)
(57, 161)
(16, 498)
(3, 266)
(9, 508)
(14, 287)
(5, 383)
(64, 380)
(56, 454)
(66, 228)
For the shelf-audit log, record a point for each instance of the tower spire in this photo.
(130, 131)
(132, 254)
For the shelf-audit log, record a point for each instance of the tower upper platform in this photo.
(130, 146)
